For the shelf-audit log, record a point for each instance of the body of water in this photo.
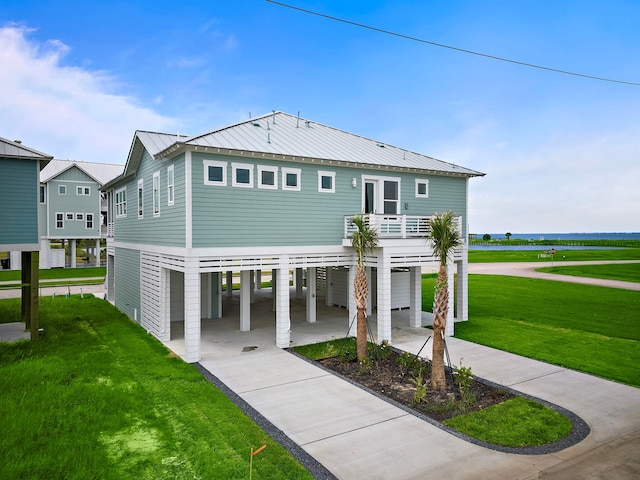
(567, 236)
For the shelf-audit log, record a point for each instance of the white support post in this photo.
(299, 283)
(311, 294)
(229, 283)
(450, 317)
(45, 253)
(384, 298)
(191, 311)
(72, 253)
(245, 300)
(283, 319)
(97, 264)
(253, 286)
(258, 279)
(415, 297)
(328, 297)
(274, 287)
(462, 299)
(353, 310)
(165, 305)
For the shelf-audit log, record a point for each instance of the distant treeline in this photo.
(574, 243)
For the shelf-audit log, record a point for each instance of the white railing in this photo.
(110, 229)
(394, 226)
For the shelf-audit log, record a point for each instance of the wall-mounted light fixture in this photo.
(354, 182)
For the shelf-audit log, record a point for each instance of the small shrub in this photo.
(364, 365)
(380, 352)
(347, 354)
(464, 378)
(421, 389)
(405, 361)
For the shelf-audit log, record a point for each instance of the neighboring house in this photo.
(19, 171)
(72, 210)
(273, 193)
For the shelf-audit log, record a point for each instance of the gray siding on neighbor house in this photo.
(19, 201)
(167, 228)
(127, 281)
(72, 203)
(227, 216)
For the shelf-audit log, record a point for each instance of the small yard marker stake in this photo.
(81, 294)
(251, 458)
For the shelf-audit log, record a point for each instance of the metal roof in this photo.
(156, 142)
(15, 149)
(299, 139)
(100, 172)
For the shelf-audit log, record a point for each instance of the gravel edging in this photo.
(315, 468)
(579, 428)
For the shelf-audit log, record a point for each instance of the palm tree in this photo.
(444, 238)
(364, 240)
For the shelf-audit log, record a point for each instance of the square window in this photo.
(326, 182)
(62, 189)
(291, 179)
(242, 175)
(267, 177)
(422, 188)
(215, 173)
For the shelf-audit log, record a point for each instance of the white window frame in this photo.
(69, 216)
(155, 194)
(88, 218)
(241, 166)
(321, 175)
(80, 217)
(170, 185)
(385, 199)
(42, 194)
(291, 171)
(82, 190)
(215, 163)
(60, 220)
(426, 184)
(121, 203)
(141, 198)
(62, 189)
(268, 168)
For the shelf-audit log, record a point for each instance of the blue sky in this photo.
(561, 153)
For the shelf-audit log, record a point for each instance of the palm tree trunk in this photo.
(361, 293)
(440, 312)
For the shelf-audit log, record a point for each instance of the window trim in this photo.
(62, 189)
(79, 216)
(325, 173)
(170, 185)
(42, 194)
(295, 171)
(268, 168)
(241, 166)
(69, 216)
(121, 206)
(141, 198)
(83, 190)
(420, 181)
(215, 163)
(155, 194)
(88, 217)
(60, 219)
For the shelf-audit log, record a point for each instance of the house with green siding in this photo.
(273, 194)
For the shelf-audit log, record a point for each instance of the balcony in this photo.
(394, 226)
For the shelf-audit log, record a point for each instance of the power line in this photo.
(441, 45)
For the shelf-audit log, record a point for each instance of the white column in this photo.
(311, 294)
(384, 298)
(165, 304)
(274, 287)
(462, 299)
(45, 253)
(328, 298)
(15, 260)
(229, 283)
(258, 279)
(72, 253)
(205, 295)
(283, 319)
(299, 283)
(245, 300)
(415, 297)
(191, 311)
(219, 295)
(97, 252)
(450, 318)
(252, 287)
(353, 310)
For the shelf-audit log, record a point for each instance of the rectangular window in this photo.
(89, 218)
(242, 175)
(121, 202)
(59, 220)
(80, 217)
(291, 179)
(83, 190)
(422, 188)
(326, 182)
(391, 198)
(62, 189)
(156, 194)
(267, 177)
(43, 194)
(69, 216)
(140, 198)
(170, 187)
(215, 173)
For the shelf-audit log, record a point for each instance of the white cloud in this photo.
(62, 110)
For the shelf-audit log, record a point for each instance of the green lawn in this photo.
(98, 398)
(56, 273)
(627, 272)
(582, 327)
(491, 256)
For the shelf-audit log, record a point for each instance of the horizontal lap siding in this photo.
(169, 227)
(73, 203)
(19, 201)
(127, 281)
